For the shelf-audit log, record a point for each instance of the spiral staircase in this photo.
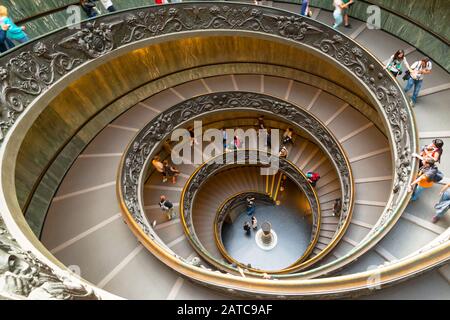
(88, 208)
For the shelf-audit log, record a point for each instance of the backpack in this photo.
(434, 174)
(438, 176)
(166, 205)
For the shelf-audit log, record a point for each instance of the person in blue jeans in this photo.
(339, 6)
(13, 32)
(443, 205)
(5, 43)
(250, 205)
(417, 70)
(305, 8)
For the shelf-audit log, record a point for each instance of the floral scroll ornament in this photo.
(295, 28)
(93, 40)
(154, 22)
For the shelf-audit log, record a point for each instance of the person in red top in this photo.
(433, 150)
(313, 177)
(160, 1)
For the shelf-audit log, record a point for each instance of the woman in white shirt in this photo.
(395, 63)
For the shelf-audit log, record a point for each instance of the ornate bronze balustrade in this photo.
(29, 71)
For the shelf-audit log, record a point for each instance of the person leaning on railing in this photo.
(428, 175)
(13, 32)
(5, 43)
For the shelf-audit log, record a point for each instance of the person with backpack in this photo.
(313, 177)
(167, 207)
(428, 176)
(415, 79)
(443, 205)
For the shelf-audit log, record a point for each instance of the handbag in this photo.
(407, 75)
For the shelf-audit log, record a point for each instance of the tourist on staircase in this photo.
(396, 62)
(247, 227)
(428, 175)
(339, 5)
(13, 32)
(305, 10)
(415, 77)
(287, 136)
(433, 150)
(443, 205)
(251, 206)
(348, 3)
(159, 166)
(167, 207)
(283, 152)
(313, 178)
(90, 8)
(170, 171)
(254, 223)
(5, 43)
(108, 4)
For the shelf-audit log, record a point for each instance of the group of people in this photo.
(249, 225)
(250, 210)
(167, 170)
(428, 175)
(9, 31)
(414, 73)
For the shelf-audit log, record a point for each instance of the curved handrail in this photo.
(61, 53)
(392, 11)
(245, 157)
(383, 7)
